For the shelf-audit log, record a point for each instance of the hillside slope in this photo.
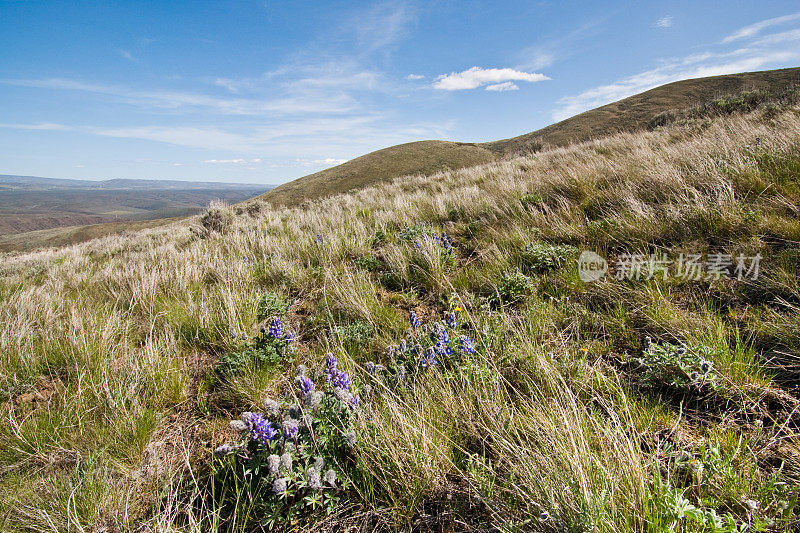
(423, 157)
(635, 112)
(173, 380)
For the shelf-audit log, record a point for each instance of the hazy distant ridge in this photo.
(11, 181)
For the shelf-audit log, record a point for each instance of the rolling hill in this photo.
(423, 157)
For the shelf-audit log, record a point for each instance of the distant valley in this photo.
(38, 211)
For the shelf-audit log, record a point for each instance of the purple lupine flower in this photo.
(442, 348)
(450, 320)
(333, 375)
(412, 317)
(261, 429)
(305, 384)
(466, 344)
(340, 379)
(428, 358)
(330, 361)
(276, 328)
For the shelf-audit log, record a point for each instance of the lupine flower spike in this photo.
(276, 328)
(261, 430)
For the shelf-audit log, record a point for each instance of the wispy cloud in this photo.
(383, 25)
(767, 51)
(754, 29)
(327, 162)
(127, 55)
(505, 86)
(289, 103)
(44, 126)
(664, 22)
(478, 77)
(415, 77)
(347, 136)
(239, 161)
(537, 58)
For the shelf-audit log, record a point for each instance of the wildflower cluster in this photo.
(427, 345)
(271, 347)
(678, 367)
(299, 451)
(340, 381)
(442, 240)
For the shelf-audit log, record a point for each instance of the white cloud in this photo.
(664, 22)
(232, 161)
(415, 77)
(754, 29)
(328, 161)
(768, 51)
(477, 77)
(778, 38)
(505, 86)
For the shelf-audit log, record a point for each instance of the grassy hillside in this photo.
(180, 379)
(62, 236)
(422, 157)
(636, 112)
(630, 114)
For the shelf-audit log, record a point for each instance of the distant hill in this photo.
(421, 157)
(38, 211)
(630, 114)
(31, 183)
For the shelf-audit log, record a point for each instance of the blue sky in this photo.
(265, 92)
